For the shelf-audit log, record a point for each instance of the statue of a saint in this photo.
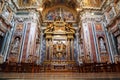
(16, 44)
(6, 13)
(102, 45)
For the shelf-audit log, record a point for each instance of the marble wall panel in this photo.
(92, 43)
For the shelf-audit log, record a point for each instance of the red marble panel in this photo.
(34, 47)
(26, 43)
(92, 42)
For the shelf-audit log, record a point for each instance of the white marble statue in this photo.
(16, 45)
(6, 13)
(102, 45)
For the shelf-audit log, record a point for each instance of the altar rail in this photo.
(21, 67)
(99, 67)
(34, 68)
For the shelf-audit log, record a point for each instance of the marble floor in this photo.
(59, 76)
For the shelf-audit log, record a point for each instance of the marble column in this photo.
(7, 45)
(109, 45)
(50, 49)
(46, 56)
(51, 54)
(72, 49)
(41, 46)
(68, 49)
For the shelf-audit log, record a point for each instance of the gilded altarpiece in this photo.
(59, 37)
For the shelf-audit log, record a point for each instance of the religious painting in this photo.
(19, 27)
(59, 51)
(93, 3)
(98, 27)
(1, 5)
(51, 15)
(67, 15)
(60, 12)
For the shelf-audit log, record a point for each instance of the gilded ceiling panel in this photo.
(93, 3)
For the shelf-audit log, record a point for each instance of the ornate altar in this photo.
(59, 45)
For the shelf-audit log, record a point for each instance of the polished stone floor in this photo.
(59, 76)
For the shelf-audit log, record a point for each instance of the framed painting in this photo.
(98, 27)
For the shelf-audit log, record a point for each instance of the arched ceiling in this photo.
(69, 3)
(85, 4)
(67, 8)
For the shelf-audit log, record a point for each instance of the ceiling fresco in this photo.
(85, 4)
(93, 3)
(66, 9)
